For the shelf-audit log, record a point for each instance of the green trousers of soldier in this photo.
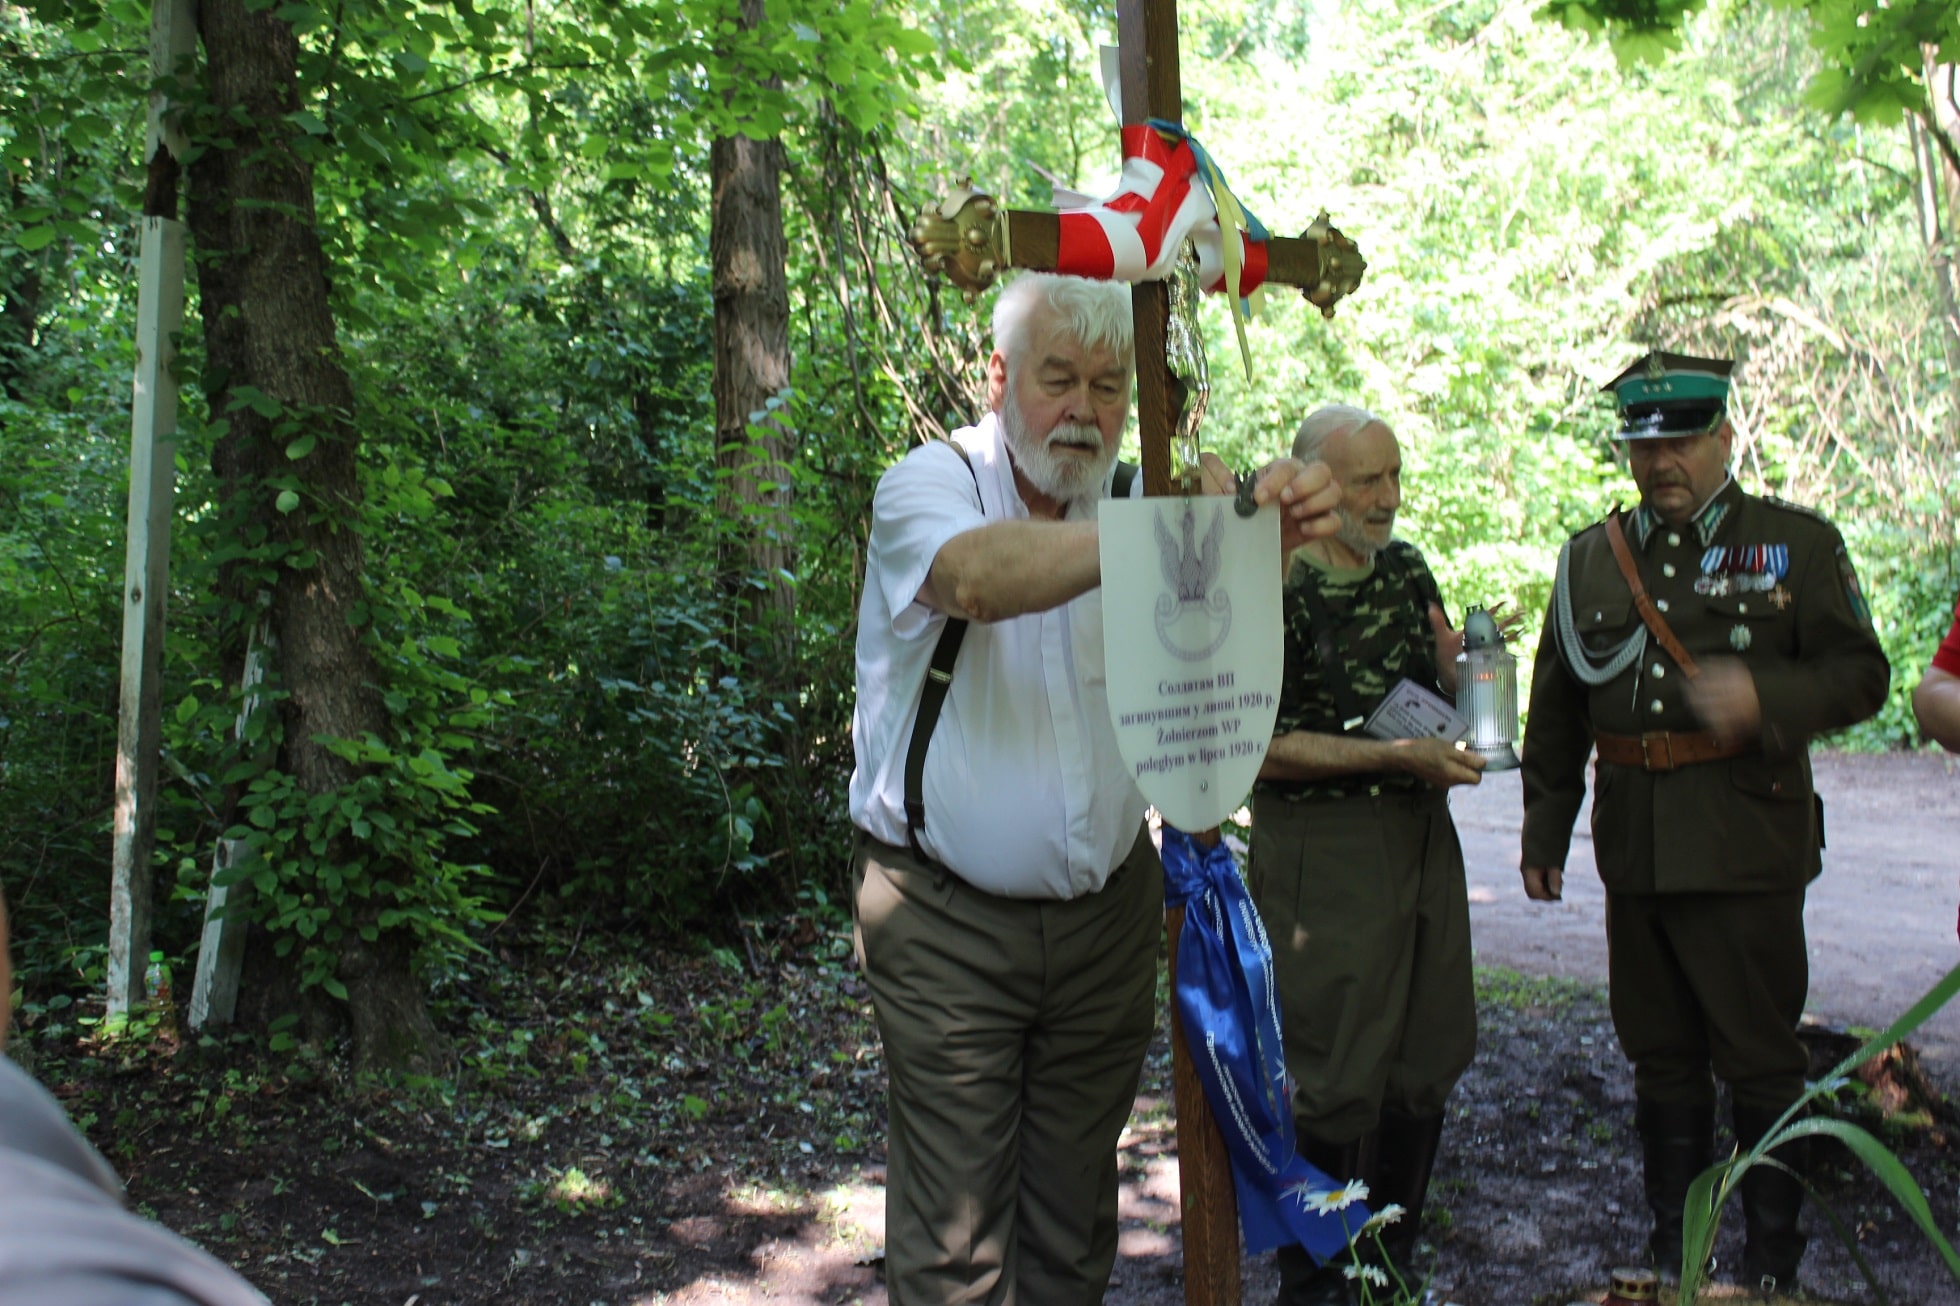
(1707, 986)
(1365, 904)
(1364, 901)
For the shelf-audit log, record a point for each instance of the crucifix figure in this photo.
(970, 240)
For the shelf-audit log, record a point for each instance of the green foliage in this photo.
(1873, 53)
(1716, 1184)
(514, 203)
(1498, 987)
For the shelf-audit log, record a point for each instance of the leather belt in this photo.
(1667, 750)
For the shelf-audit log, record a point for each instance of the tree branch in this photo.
(498, 73)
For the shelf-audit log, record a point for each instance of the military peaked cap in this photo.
(1667, 394)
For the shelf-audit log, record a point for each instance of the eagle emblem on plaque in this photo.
(1192, 648)
(1190, 570)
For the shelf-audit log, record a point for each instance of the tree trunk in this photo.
(751, 349)
(20, 310)
(262, 281)
(1936, 152)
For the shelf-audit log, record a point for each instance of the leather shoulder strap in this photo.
(1649, 614)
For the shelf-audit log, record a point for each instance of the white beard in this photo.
(1063, 477)
(1355, 535)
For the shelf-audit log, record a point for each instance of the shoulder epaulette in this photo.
(1804, 509)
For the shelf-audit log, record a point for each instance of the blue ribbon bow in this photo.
(1224, 992)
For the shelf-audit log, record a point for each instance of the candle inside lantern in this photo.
(1487, 692)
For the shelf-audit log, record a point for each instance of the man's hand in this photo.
(1724, 697)
(1544, 883)
(1437, 761)
(1307, 495)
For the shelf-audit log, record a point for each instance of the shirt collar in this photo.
(1706, 518)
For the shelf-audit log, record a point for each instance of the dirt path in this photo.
(1880, 918)
(640, 1128)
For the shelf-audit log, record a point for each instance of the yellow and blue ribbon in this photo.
(1233, 218)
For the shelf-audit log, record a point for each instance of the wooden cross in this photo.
(970, 241)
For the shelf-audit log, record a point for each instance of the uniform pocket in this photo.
(1779, 780)
(1605, 615)
(1750, 622)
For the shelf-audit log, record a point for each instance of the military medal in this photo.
(1742, 569)
(1739, 637)
(1781, 597)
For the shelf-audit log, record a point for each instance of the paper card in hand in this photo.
(1412, 712)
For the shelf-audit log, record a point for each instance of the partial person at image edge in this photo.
(65, 1239)
(1936, 699)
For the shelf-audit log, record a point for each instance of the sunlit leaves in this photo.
(1873, 50)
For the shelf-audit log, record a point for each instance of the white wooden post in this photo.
(152, 484)
(221, 956)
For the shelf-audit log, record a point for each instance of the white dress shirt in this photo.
(1025, 792)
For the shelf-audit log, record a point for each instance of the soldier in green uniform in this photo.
(1700, 681)
(1355, 864)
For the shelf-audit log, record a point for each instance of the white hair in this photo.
(1324, 423)
(1096, 313)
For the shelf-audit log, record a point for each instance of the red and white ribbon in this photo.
(1136, 233)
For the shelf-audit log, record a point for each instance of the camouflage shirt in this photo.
(1383, 635)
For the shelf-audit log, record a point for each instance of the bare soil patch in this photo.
(624, 1126)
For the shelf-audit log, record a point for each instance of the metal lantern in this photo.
(1487, 692)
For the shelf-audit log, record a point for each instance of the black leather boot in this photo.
(1405, 1157)
(1342, 1161)
(1301, 1282)
(1772, 1198)
(1677, 1143)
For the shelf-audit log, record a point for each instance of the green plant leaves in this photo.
(1713, 1186)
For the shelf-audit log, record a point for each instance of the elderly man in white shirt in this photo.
(1008, 921)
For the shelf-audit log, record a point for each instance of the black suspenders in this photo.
(939, 679)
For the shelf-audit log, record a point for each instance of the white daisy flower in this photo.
(1387, 1215)
(1338, 1199)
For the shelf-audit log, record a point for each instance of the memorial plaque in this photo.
(1191, 639)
